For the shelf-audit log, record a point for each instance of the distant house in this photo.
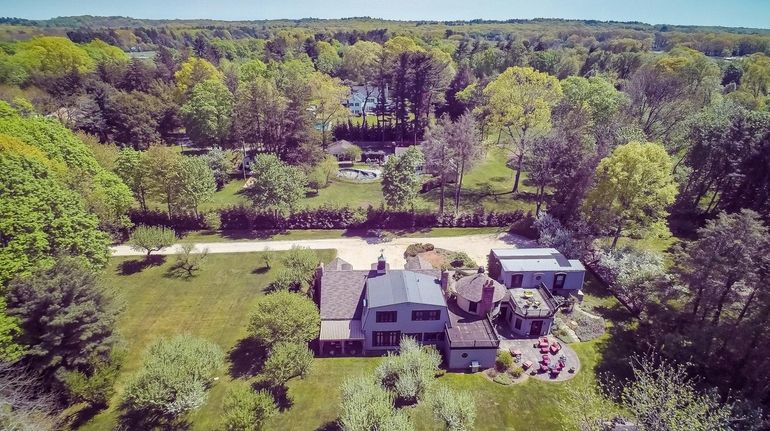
(369, 311)
(341, 149)
(364, 97)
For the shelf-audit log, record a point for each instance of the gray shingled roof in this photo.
(338, 264)
(401, 286)
(470, 287)
(342, 294)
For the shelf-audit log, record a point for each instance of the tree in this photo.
(10, 331)
(662, 397)
(246, 410)
(456, 410)
(360, 65)
(633, 187)
(328, 97)
(277, 186)
(298, 270)
(132, 167)
(400, 180)
(164, 166)
(439, 156)
(322, 174)
(220, 163)
(190, 259)
(133, 118)
(410, 373)
(635, 276)
(262, 116)
(66, 315)
(40, 216)
(367, 406)
(327, 60)
(196, 181)
(151, 238)
(208, 113)
(465, 142)
(287, 360)
(520, 101)
(194, 71)
(175, 374)
(284, 316)
(25, 407)
(96, 385)
(756, 77)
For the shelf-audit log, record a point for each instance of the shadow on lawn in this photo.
(145, 420)
(330, 426)
(247, 358)
(133, 266)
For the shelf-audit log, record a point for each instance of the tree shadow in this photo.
(280, 394)
(133, 266)
(131, 420)
(330, 426)
(247, 358)
(176, 270)
(80, 417)
(260, 270)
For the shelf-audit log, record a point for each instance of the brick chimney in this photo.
(382, 264)
(445, 281)
(317, 276)
(487, 297)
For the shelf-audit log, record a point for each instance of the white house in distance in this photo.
(361, 95)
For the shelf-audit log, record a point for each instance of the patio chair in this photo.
(526, 365)
(555, 347)
(544, 350)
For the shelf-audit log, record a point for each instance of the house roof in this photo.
(341, 330)
(342, 294)
(339, 147)
(536, 259)
(470, 287)
(402, 286)
(338, 264)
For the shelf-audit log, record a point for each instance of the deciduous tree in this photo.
(208, 113)
(284, 316)
(277, 186)
(245, 409)
(151, 238)
(400, 180)
(287, 360)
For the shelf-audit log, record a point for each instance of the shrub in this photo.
(587, 327)
(503, 379)
(368, 406)
(460, 259)
(151, 238)
(456, 410)
(409, 373)
(504, 360)
(96, 387)
(414, 249)
(287, 360)
(516, 372)
(246, 410)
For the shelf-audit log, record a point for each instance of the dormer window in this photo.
(558, 281)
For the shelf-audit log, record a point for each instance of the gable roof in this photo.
(339, 147)
(342, 294)
(399, 287)
(536, 259)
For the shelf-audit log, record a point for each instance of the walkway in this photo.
(360, 252)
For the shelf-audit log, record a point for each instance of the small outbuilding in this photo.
(342, 149)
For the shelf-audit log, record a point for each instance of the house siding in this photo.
(403, 323)
(455, 360)
(572, 282)
(526, 324)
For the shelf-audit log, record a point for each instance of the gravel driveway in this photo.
(361, 252)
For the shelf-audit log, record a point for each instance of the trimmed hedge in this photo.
(248, 218)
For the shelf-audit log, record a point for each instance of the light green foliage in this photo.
(252, 70)
(220, 163)
(10, 349)
(285, 316)
(633, 188)
(456, 410)
(197, 182)
(328, 95)
(208, 113)
(756, 79)
(164, 166)
(52, 55)
(102, 52)
(132, 167)
(245, 409)
(103, 192)
(298, 268)
(519, 101)
(67, 316)
(504, 360)
(175, 375)
(367, 406)
(662, 397)
(585, 409)
(400, 181)
(359, 61)
(324, 171)
(354, 153)
(328, 60)
(287, 360)
(151, 238)
(410, 373)
(39, 215)
(633, 274)
(194, 71)
(277, 186)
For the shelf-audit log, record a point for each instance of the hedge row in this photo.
(247, 218)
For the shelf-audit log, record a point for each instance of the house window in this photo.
(558, 281)
(387, 316)
(464, 355)
(426, 314)
(516, 280)
(432, 337)
(416, 335)
(472, 306)
(517, 324)
(386, 338)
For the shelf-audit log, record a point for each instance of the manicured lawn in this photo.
(215, 304)
(300, 234)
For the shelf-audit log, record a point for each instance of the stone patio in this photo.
(532, 354)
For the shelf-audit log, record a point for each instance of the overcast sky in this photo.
(736, 13)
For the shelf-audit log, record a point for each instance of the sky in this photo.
(732, 13)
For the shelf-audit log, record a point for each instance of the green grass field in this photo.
(216, 305)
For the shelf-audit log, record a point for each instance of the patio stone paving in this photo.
(532, 354)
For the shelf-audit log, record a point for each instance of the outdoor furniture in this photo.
(555, 347)
(543, 368)
(474, 366)
(572, 370)
(546, 360)
(515, 352)
(526, 365)
(544, 350)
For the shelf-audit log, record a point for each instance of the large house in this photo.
(364, 97)
(369, 311)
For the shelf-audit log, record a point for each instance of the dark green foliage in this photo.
(285, 316)
(504, 361)
(66, 314)
(415, 249)
(287, 360)
(246, 410)
(95, 386)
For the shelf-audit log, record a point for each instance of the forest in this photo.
(615, 134)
